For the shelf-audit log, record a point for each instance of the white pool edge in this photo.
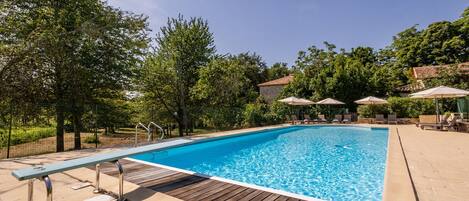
(253, 186)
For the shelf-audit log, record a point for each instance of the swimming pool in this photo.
(325, 162)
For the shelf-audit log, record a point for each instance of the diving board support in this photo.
(121, 180)
(96, 185)
(48, 184)
(30, 189)
(120, 169)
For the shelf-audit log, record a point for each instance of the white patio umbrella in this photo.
(329, 102)
(440, 92)
(296, 101)
(371, 100)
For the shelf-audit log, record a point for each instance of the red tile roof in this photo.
(281, 81)
(425, 72)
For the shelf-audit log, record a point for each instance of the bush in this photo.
(260, 113)
(24, 135)
(369, 111)
(402, 107)
(254, 114)
(222, 117)
(407, 107)
(91, 139)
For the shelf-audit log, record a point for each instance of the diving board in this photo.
(41, 172)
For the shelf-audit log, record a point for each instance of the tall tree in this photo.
(76, 47)
(182, 47)
(278, 70)
(440, 43)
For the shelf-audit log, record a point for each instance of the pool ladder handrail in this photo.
(148, 129)
(136, 131)
(157, 126)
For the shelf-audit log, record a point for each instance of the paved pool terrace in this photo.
(421, 165)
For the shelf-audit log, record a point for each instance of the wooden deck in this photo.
(185, 186)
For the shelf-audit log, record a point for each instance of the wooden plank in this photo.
(282, 198)
(251, 195)
(211, 192)
(208, 190)
(261, 196)
(176, 185)
(194, 189)
(242, 194)
(232, 193)
(167, 179)
(271, 197)
(188, 188)
(221, 193)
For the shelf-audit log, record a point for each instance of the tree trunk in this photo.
(184, 119)
(191, 125)
(76, 130)
(60, 110)
(180, 124)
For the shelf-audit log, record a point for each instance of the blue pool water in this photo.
(325, 162)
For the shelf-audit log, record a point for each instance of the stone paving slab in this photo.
(438, 162)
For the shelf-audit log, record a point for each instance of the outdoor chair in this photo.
(294, 120)
(337, 118)
(307, 119)
(392, 119)
(379, 119)
(347, 118)
(288, 119)
(321, 119)
(452, 123)
(429, 121)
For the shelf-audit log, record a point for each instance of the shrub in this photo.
(369, 111)
(407, 107)
(24, 135)
(222, 117)
(402, 107)
(254, 114)
(91, 139)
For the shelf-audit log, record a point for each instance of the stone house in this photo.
(422, 73)
(271, 89)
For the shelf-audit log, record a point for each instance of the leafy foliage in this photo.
(183, 46)
(402, 107)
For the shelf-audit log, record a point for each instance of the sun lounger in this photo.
(337, 118)
(347, 118)
(379, 119)
(321, 119)
(392, 119)
(429, 121)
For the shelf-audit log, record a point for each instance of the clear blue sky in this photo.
(278, 29)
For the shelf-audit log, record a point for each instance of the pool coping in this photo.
(398, 184)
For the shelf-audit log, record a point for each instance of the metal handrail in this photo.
(157, 126)
(136, 131)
